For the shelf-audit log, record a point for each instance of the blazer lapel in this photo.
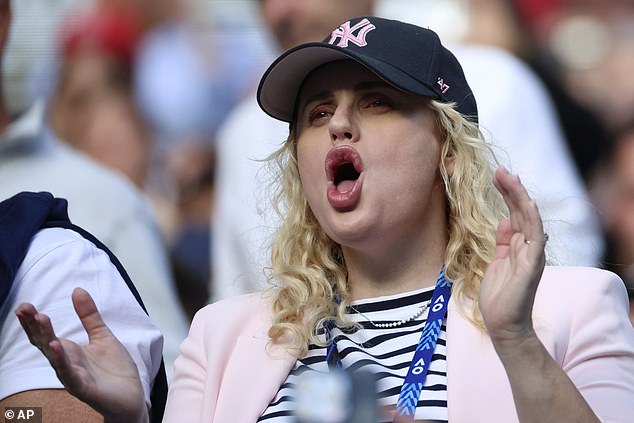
(478, 389)
(253, 375)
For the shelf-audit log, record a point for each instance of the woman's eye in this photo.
(318, 115)
(378, 103)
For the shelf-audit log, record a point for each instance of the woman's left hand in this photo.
(510, 282)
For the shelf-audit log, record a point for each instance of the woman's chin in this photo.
(351, 228)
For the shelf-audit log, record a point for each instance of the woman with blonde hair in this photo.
(395, 257)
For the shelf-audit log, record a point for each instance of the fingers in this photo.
(40, 332)
(89, 315)
(36, 325)
(524, 215)
(503, 239)
(513, 192)
(61, 363)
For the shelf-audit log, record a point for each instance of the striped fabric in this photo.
(385, 352)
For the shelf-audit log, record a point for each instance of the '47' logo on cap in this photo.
(443, 87)
(346, 33)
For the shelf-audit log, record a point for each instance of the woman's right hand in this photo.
(102, 373)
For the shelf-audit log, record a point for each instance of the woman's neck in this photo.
(411, 264)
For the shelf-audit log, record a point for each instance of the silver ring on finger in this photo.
(546, 237)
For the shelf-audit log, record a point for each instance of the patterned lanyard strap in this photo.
(419, 367)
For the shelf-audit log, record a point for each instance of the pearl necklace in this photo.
(420, 311)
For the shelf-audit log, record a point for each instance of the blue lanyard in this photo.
(419, 367)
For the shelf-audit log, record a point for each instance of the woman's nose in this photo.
(343, 127)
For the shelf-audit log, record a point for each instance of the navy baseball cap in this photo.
(406, 56)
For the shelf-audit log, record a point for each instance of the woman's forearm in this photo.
(542, 391)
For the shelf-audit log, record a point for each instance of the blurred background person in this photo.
(530, 137)
(141, 88)
(93, 106)
(192, 68)
(590, 44)
(155, 86)
(101, 201)
(509, 25)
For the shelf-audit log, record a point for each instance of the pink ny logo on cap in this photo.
(346, 33)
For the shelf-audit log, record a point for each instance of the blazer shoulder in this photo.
(236, 304)
(248, 314)
(579, 281)
(574, 302)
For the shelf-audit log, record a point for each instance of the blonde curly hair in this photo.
(308, 268)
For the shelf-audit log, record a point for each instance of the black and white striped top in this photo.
(385, 352)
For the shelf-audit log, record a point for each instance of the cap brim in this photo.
(282, 81)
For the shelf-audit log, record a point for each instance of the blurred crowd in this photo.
(161, 93)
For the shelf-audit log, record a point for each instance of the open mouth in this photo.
(345, 176)
(343, 167)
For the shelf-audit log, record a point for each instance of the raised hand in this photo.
(510, 283)
(102, 373)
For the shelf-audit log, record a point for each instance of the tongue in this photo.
(345, 186)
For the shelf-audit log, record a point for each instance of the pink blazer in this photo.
(228, 373)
